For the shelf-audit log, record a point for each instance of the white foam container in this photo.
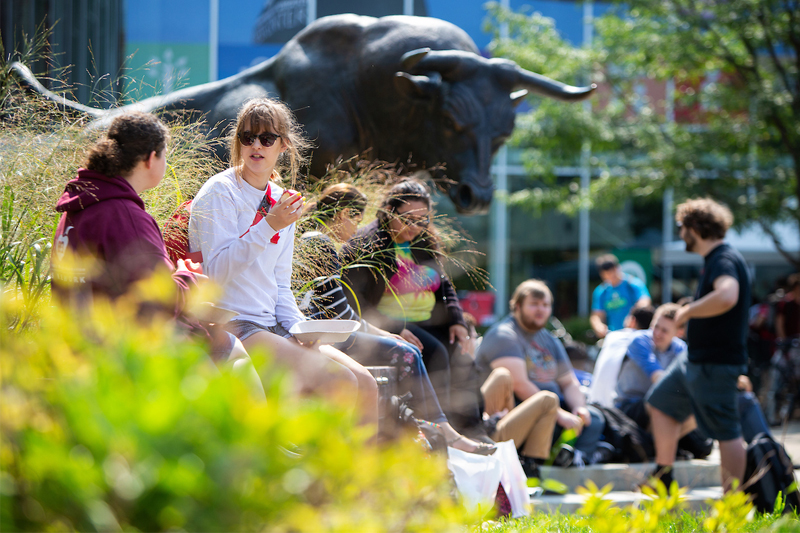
(324, 331)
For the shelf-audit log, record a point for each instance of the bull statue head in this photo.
(471, 101)
(409, 89)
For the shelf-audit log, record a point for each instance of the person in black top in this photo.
(703, 382)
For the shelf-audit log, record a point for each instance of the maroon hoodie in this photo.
(105, 219)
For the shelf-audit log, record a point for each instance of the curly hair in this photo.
(261, 115)
(708, 218)
(131, 138)
(404, 191)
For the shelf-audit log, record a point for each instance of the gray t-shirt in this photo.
(544, 355)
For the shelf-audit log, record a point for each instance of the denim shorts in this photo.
(245, 328)
(706, 390)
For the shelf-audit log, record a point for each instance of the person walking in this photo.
(703, 380)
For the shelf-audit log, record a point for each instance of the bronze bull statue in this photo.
(409, 88)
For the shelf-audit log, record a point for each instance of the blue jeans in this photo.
(587, 441)
(374, 350)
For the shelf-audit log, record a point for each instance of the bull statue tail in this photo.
(29, 82)
(536, 83)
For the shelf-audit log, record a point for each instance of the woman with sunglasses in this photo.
(334, 217)
(400, 286)
(243, 223)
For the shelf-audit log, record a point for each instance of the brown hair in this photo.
(405, 191)
(334, 199)
(708, 218)
(131, 138)
(532, 287)
(606, 261)
(667, 310)
(268, 114)
(642, 315)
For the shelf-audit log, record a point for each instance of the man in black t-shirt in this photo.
(703, 380)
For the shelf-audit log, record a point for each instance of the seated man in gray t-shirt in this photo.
(537, 361)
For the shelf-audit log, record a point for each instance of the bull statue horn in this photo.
(453, 65)
(545, 86)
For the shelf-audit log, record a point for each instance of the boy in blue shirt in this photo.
(613, 299)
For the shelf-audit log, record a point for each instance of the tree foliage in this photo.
(729, 130)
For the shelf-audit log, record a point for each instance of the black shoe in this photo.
(530, 467)
(697, 444)
(564, 456)
(604, 453)
(661, 473)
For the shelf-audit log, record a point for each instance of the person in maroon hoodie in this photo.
(106, 241)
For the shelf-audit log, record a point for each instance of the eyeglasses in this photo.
(355, 214)
(608, 265)
(408, 220)
(247, 138)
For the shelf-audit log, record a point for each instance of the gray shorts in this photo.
(707, 391)
(245, 328)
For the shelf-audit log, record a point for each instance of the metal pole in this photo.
(408, 7)
(666, 237)
(213, 41)
(311, 11)
(666, 218)
(498, 273)
(583, 219)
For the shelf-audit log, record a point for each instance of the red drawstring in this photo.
(261, 213)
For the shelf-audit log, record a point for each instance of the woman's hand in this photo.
(287, 211)
(411, 339)
(461, 334)
(569, 421)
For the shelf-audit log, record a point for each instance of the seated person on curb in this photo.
(103, 219)
(614, 298)
(649, 354)
(537, 361)
(334, 217)
(612, 354)
(243, 222)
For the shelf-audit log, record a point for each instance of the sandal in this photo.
(481, 448)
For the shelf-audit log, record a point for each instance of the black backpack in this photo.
(768, 472)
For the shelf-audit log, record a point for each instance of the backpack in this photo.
(768, 472)
(176, 229)
(631, 443)
(176, 235)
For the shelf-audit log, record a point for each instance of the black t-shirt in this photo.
(721, 339)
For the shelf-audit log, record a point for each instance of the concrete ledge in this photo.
(695, 473)
(695, 500)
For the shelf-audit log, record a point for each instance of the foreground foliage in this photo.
(106, 425)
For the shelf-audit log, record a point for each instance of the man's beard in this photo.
(530, 325)
(690, 241)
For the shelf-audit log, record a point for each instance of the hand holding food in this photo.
(287, 210)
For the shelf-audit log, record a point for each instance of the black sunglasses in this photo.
(423, 222)
(267, 139)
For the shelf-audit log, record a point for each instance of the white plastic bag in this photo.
(513, 478)
(476, 477)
